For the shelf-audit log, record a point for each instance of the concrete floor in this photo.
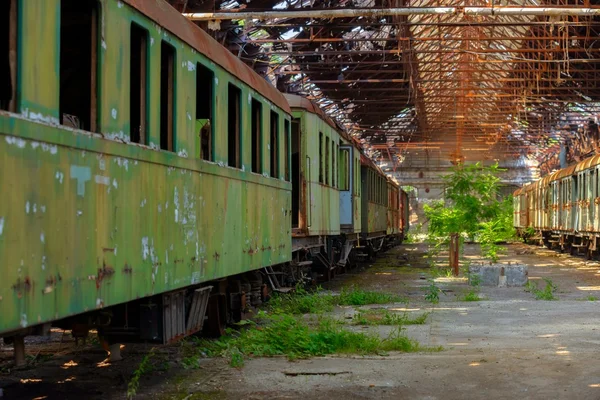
(508, 346)
(505, 347)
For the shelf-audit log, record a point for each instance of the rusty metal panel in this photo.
(322, 201)
(89, 223)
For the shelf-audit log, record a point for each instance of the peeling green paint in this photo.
(87, 222)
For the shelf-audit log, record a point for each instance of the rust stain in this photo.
(127, 269)
(216, 256)
(104, 272)
(21, 286)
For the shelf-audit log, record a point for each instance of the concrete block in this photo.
(516, 275)
(503, 275)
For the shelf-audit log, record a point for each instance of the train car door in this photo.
(346, 198)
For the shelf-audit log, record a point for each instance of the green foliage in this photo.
(472, 209)
(318, 302)
(591, 298)
(433, 292)
(542, 294)
(283, 334)
(358, 297)
(471, 296)
(384, 317)
(144, 368)
(302, 302)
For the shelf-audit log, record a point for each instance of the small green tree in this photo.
(472, 209)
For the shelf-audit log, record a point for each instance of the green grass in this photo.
(354, 296)
(283, 334)
(471, 296)
(302, 302)
(318, 302)
(384, 317)
(591, 298)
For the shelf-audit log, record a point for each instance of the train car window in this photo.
(167, 96)
(274, 144)
(333, 168)
(78, 63)
(296, 172)
(326, 160)
(138, 74)
(8, 55)
(286, 149)
(321, 157)
(257, 122)
(234, 120)
(204, 110)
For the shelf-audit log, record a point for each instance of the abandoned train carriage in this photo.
(563, 208)
(142, 161)
(374, 206)
(326, 190)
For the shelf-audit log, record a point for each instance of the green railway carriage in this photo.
(374, 205)
(140, 162)
(326, 217)
(395, 217)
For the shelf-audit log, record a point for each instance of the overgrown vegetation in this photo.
(142, 369)
(282, 331)
(384, 317)
(284, 334)
(547, 293)
(472, 209)
(318, 302)
(472, 295)
(358, 297)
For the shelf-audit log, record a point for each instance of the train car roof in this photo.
(366, 161)
(296, 101)
(301, 102)
(587, 163)
(563, 173)
(172, 20)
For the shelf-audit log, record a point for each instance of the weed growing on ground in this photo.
(144, 368)
(591, 298)
(474, 280)
(384, 317)
(282, 334)
(471, 296)
(542, 294)
(433, 292)
(317, 302)
(302, 302)
(354, 296)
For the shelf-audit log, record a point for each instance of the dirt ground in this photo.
(506, 346)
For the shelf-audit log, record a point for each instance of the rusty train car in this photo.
(339, 211)
(562, 210)
(152, 178)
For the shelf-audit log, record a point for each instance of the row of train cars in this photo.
(151, 181)
(562, 210)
